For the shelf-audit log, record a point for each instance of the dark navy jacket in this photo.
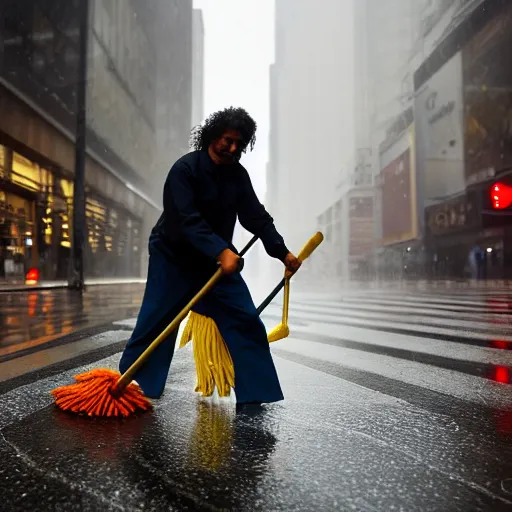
(201, 203)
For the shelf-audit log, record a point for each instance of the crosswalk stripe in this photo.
(414, 299)
(414, 339)
(400, 341)
(462, 386)
(433, 306)
(411, 327)
(399, 316)
(411, 338)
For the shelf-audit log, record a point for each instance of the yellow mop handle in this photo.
(286, 301)
(310, 246)
(305, 253)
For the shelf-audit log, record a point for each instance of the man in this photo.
(204, 193)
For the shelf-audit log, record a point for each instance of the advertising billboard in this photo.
(439, 114)
(361, 226)
(455, 215)
(397, 215)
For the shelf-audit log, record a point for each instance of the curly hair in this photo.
(219, 122)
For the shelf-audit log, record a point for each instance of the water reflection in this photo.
(498, 306)
(36, 317)
(211, 439)
(501, 374)
(193, 452)
(501, 344)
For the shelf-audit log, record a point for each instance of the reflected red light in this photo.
(32, 304)
(502, 375)
(501, 196)
(503, 421)
(504, 345)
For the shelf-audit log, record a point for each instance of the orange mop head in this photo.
(92, 395)
(107, 393)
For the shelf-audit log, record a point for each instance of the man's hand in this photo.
(228, 261)
(292, 264)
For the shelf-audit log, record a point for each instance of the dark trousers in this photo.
(169, 287)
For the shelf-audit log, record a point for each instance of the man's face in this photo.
(228, 148)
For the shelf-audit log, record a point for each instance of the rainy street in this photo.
(395, 399)
(362, 149)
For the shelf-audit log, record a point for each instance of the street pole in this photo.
(76, 278)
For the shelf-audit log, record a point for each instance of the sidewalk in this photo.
(18, 286)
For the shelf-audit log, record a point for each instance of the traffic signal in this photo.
(32, 277)
(501, 196)
(497, 203)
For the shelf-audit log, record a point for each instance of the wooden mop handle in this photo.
(128, 375)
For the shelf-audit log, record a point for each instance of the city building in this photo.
(442, 153)
(174, 42)
(127, 102)
(310, 99)
(431, 139)
(197, 67)
(398, 248)
(463, 101)
(384, 36)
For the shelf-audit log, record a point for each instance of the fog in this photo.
(383, 124)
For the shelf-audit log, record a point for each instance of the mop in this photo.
(103, 392)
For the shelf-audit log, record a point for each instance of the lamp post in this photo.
(76, 278)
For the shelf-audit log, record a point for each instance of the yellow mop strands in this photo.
(214, 366)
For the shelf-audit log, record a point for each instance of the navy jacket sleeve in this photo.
(179, 195)
(253, 217)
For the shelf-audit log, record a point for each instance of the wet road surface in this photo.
(33, 318)
(405, 407)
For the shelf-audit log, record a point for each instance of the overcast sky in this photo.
(239, 48)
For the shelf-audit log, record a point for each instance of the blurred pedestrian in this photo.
(476, 262)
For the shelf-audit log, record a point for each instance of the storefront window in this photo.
(488, 100)
(113, 242)
(2, 161)
(16, 234)
(25, 173)
(65, 239)
(66, 188)
(96, 220)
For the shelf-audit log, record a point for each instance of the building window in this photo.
(2, 162)
(25, 173)
(16, 234)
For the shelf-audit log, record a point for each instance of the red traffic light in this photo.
(32, 276)
(501, 196)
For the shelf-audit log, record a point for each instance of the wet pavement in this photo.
(31, 319)
(373, 419)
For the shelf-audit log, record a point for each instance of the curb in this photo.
(63, 285)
